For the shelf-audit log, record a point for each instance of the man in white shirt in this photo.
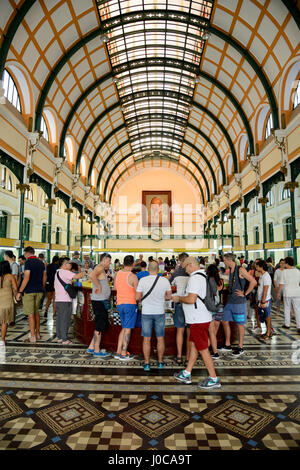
(153, 311)
(264, 297)
(199, 318)
(277, 281)
(290, 284)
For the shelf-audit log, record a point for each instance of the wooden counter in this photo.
(84, 327)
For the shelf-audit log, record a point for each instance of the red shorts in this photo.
(199, 335)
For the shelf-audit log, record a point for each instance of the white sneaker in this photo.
(2, 343)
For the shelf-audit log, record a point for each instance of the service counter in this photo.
(84, 327)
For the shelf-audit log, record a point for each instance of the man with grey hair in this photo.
(199, 318)
(236, 307)
(153, 290)
(180, 279)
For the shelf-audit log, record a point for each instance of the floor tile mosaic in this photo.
(54, 398)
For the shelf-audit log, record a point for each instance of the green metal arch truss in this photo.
(148, 159)
(127, 156)
(128, 142)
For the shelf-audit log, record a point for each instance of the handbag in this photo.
(69, 288)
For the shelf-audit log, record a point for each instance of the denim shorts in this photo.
(179, 318)
(265, 312)
(236, 313)
(128, 314)
(156, 321)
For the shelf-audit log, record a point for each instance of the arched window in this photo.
(230, 165)
(11, 91)
(3, 224)
(26, 229)
(93, 179)
(256, 235)
(3, 177)
(9, 184)
(286, 194)
(296, 100)
(44, 232)
(270, 196)
(57, 235)
(288, 228)
(83, 166)
(270, 232)
(69, 149)
(255, 205)
(269, 126)
(44, 129)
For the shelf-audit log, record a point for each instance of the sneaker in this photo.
(88, 351)
(117, 356)
(161, 365)
(128, 357)
(146, 367)
(215, 356)
(101, 354)
(237, 351)
(210, 383)
(257, 330)
(182, 378)
(286, 327)
(226, 349)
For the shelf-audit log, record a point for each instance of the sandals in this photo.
(179, 361)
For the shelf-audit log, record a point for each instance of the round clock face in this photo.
(156, 234)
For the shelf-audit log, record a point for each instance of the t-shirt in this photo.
(142, 274)
(291, 281)
(264, 280)
(14, 268)
(60, 293)
(196, 313)
(36, 268)
(278, 276)
(154, 304)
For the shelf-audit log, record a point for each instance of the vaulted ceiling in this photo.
(133, 81)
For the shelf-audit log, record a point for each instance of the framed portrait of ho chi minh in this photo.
(156, 209)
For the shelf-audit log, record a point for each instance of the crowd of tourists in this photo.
(228, 289)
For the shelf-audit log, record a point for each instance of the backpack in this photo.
(212, 303)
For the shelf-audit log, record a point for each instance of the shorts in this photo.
(236, 313)
(128, 315)
(199, 335)
(50, 287)
(156, 321)
(218, 316)
(265, 312)
(179, 318)
(100, 309)
(31, 303)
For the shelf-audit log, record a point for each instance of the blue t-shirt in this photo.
(142, 274)
(36, 268)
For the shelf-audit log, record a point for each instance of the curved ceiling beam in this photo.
(256, 67)
(11, 31)
(294, 10)
(78, 102)
(148, 159)
(184, 141)
(183, 154)
(187, 98)
(182, 17)
(101, 80)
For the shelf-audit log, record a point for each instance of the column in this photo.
(51, 203)
(292, 185)
(263, 201)
(81, 218)
(22, 188)
(231, 217)
(244, 211)
(68, 211)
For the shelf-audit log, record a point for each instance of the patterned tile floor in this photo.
(54, 397)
